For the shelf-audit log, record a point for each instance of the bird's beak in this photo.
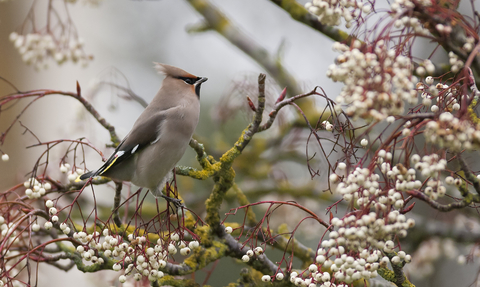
(198, 84)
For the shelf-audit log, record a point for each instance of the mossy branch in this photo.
(217, 21)
(300, 14)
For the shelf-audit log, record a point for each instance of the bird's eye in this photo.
(189, 81)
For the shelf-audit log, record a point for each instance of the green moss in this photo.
(221, 23)
(283, 228)
(233, 225)
(213, 205)
(297, 11)
(218, 251)
(200, 174)
(204, 233)
(389, 275)
(208, 171)
(66, 248)
(172, 281)
(73, 255)
(190, 222)
(473, 116)
(230, 155)
(386, 274)
(200, 257)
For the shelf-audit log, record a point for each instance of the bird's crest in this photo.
(172, 71)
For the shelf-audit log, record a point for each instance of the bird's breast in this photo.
(159, 158)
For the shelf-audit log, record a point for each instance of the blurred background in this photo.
(125, 38)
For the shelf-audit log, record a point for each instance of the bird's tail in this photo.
(85, 176)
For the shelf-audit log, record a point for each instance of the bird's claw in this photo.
(175, 201)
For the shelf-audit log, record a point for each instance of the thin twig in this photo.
(116, 203)
(257, 120)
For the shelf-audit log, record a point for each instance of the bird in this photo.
(160, 135)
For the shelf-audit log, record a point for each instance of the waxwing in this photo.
(160, 136)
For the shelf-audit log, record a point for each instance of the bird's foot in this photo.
(175, 201)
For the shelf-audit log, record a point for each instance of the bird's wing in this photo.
(141, 136)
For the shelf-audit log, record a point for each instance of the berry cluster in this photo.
(36, 48)
(453, 133)
(330, 12)
(136, 257)
(376, 83)
(36, 189)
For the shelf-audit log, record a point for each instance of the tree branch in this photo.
(217, 21)
(300, 14)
